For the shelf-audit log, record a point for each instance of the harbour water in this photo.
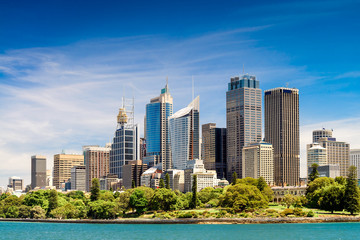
(29, 231)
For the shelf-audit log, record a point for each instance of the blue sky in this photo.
(65, 65)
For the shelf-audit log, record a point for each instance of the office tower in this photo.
(258, 161)
(282, 131)
(243, 119)
(62, 167)
(184, 134)
(142, 148)
(96, 162)
(16, 183)
(316, 154)
(317, 134)
(157, 130)
(214, 148)
(355, 160)
(78, 178)
(132, 172)
(126, 140)
(38, 171)
(205, 178)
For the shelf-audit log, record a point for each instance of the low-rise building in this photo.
(107, 182)
(328, 170)
(132, 172)
(177, 179)
(148, 175)
(16, 183)
(205, 178)
(280, 192)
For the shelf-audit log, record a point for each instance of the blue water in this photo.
(29, 231)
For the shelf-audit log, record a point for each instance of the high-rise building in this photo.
(317, 134)
(126, 140)
(16, 183)
(282, 131)
(214, 148)
(184, 134)
(258, 161)
(157, 130)
(38, 171)
(243, 119)
(142, 148)
(78, 178)
(316, 154)
(96, 162)
(355, 160)
(62, 167)
(132, 172)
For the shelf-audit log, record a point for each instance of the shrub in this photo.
(185, 215)
(310, 214)
(287, 212)
(37, 212)
(299, 212)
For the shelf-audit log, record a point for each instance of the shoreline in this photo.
(193, 220)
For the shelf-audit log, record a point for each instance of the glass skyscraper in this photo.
(184, 135)
(157, 130)
(243, 119)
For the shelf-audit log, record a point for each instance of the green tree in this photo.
(341, 180)
(167, 181)
(234, 178)
(163, 199)
(194, 197)
(314, 172)
(138, 201)
(332, 197)
(53, 200)
(101, 209)
(288, 200)
(161, 183)
(352, 196)
(313, 191)
(37, 212)
(95, 189)
(133, 184)
(261, 184)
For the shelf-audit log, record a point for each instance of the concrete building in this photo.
(132, 172)
(355, 160)
(150, 174)
(205, 178)
(282, 131)
(177, 179)
(108, 182)
(280, 192)
(327, 170)
(38, 171)
(316, 154)
(317, 134)
(184, 135)
(142, 148)
(243, 119)
(62, 167)
(78, 178)
(258, 161)
(16, 183)
(125, 144)
(214, 148)
(157, 130)
(96, 162)
(338, 153)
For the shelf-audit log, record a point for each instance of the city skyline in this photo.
(60, 88)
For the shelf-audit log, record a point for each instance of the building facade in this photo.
(355, 160)
(78, 178)
(243, 119)
(132, 172)
(62, 167)
(317, 134)
(282, 131)
(177, 179)
(16, 183)
(184, 135)
(258, 161)
(125, 143)
(327, 170)
(157, 130)
(214, 148)
(205, 178)
(97, 162)
(38, 171)
(316, 154)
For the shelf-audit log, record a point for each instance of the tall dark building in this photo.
(214, 148)
(38, 171)
(132, 172)
(243, 119)
(282, 131)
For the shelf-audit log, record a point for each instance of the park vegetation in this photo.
(246, 197)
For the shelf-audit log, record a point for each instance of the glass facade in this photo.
(153, 128)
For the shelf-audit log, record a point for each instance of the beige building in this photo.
(258, 161)
(62, 167)
(316, 154)
(282, 131)
(355, 160)
(205, 178)
(97, 164)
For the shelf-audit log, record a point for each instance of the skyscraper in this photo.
(184, 135)
(96, 162)
(157, 130)
(214, 148)
(282, 131)
(62, 167)
(125, 142)
(243, 119)
(38, 171)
